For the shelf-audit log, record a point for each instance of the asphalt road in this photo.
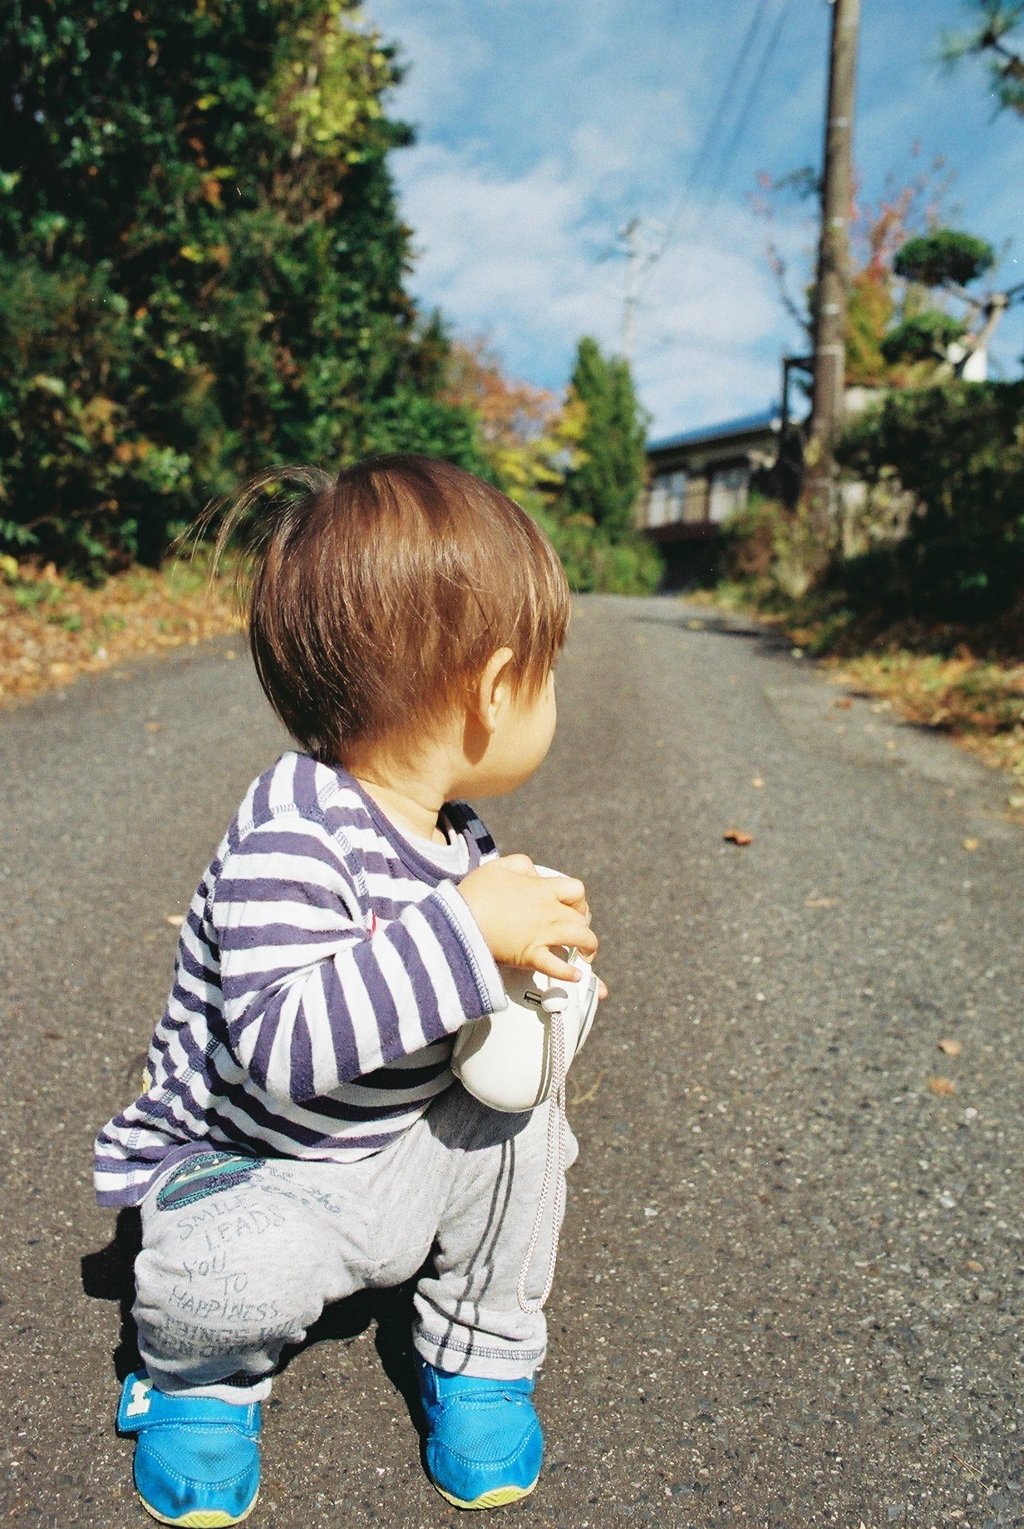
(790, 1287)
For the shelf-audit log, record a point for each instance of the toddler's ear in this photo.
(493, 688)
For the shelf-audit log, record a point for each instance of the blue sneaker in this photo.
(484, 1445)
(197, 1460)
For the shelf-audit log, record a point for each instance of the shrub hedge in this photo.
(959, 449)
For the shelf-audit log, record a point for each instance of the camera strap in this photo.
(553, 1183)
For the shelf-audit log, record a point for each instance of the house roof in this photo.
(767, 419)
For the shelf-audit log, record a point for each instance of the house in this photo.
(697, 479)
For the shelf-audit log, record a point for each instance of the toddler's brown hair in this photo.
(375, 597)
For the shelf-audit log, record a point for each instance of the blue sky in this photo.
(544, 126)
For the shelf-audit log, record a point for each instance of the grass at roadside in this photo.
(53, 629)
(978, 701)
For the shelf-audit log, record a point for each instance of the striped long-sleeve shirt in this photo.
(322, 970)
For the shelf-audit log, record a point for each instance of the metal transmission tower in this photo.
(833, 277)
(630, 235)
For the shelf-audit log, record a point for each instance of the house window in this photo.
(729, 489)
(677, 496)
(666, 499)
(655, 509)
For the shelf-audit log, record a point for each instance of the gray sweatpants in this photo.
(240, 1255)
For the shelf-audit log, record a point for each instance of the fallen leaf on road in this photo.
(154, 727)
(951, 1048)
(972, 844)
(591, 1091)
(758, 783)
(941, 1087)
(821, 902)
(175, 920)
(737, 836)
(843, 703)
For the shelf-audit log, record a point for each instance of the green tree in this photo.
(912, 319)
(528, 437)
(606, 485)
(959, 451)
(201, 263)
(993, 38)
(877, 233)
(943, 262)
(592, 522)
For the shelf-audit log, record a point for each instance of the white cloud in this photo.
(711, 336)
(502, 255)
(696, 386)
(546, 125)
(534, 151)
(438, 73)
(513, 257)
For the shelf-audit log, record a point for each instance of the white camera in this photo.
(505, 1059)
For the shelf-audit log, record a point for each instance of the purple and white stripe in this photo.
(324, 965)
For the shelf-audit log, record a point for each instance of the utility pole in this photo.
(833, 276)
(639, 256)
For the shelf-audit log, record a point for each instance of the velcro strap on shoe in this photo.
(142, 1406)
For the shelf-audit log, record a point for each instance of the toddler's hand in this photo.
(523, 915)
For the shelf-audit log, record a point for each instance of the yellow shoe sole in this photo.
(202, 1518)
(499, 1498)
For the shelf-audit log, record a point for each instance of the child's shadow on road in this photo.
(109, 1275)
(391, 1313)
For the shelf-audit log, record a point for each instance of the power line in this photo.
(676, 11)
(723, 164)
(639, 261)
(717, 119)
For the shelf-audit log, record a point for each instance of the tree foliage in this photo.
(924, 336)
(201, 263)
(938, 266)
(876, 305)
(531, 443)
(910, 319)
(959, 450)
(605, 487)
(996, 38)
(594, 522)
(528, 437)
(944, 255)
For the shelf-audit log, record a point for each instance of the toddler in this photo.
(301, 1135)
